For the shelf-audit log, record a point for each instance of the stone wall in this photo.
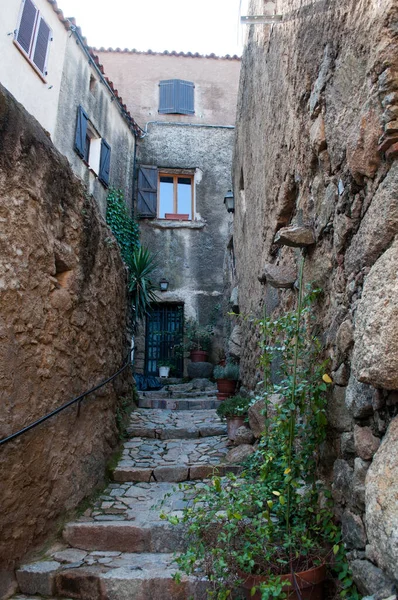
(63, 313)
(316, 146)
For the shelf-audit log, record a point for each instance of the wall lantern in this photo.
(229, 201)
(163, 285)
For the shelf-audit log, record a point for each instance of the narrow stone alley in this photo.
(120, 547)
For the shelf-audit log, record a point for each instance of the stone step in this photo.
(184, 403)
(164, 394)
(168, 424)
(111, 575)
(148, 459)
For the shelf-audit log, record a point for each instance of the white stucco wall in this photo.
(18, 75)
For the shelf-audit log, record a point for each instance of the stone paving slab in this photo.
(168, 424)
(118, 576)
(147, 459)
(179, 404)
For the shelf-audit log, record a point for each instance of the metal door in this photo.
(164, 335)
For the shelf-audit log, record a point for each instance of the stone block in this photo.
(234, 342)
(353, 530)
(278, 276)
(337, 413)
(211, 430)
(318, 135)
(381, 502)
(109, 535)
(366, 444)
(371, 580)
(244, 435)
(256, 414)
(345, 336)
(122, 474)
(79, 583)
(342, 476)
(359, 399)
(375, 358)
(200, 370)
(38, 577)
(239, 454)
(347, 444)
(296, 236)
(70, 555)
(173, 473)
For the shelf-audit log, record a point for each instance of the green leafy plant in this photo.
(197, 337)
(124, 228)
(143, 290)
(229, 371)
(236, 406)
(270, 522)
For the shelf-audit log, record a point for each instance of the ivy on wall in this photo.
(124, 228)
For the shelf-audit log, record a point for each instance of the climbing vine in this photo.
(124, 227)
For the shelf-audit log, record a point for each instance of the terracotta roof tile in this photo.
(168, 53)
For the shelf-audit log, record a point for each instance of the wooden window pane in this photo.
(184, 196)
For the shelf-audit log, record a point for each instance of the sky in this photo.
(203, 26)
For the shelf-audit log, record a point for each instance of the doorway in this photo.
(164, 336)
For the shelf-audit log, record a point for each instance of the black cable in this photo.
(64, 406)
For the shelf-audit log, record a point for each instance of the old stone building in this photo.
(316, 151)
(186, 104)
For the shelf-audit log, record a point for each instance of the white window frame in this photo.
(33, 41)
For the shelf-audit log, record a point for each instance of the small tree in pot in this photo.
(197, 340)
(226, 378)
(234, 410)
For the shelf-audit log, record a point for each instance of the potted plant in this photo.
(226, 378)
(234, 411)
(165, 367)
(269, 532)
(198, 340)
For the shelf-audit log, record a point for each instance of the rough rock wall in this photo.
(63, 311)
(317, 142)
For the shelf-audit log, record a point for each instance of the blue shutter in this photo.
(176, 96)
(81, 131)
(41, 47)
(105, 163)
(185, 97)
(147, 191)
(26, 26)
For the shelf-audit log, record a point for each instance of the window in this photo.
(93, 149)
(175, 196)
(176, 97)
(165, 194)
(33, 36)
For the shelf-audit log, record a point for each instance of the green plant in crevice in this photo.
(124, 228)
(270, 521)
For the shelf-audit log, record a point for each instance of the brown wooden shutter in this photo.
(24, 35)
(41, 47)
(147, 192)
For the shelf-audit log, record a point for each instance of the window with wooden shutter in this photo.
(33, 36)
(105, 163)
(81, 133)
(147, 192)
(176, 96)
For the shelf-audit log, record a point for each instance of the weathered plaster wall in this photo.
(191, 253)
(105, 115)
(136, 75)
(63, 310)
(39, 97)
(316, 93)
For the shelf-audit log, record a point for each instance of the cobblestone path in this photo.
(121, 549)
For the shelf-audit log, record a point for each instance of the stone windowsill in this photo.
(171, 224)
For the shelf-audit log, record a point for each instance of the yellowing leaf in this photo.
(327, 379)
(282, 500)
(270, 503)
(276, 493)
(335, 549)
(287, 471)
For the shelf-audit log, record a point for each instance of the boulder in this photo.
(244, 435)
(371, 580)
(366, 444)
(381, 502)
(200, 370)
(256, 413)
(234, 344)
(359, 399)
(345, 336)
(337, 413)
(239, 454)
(375, 358)
(353, 530)
(278, 276)
(297, 236)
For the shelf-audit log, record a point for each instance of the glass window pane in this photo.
(184, 196)
(166, 196)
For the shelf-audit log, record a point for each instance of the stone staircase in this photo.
(121, 549)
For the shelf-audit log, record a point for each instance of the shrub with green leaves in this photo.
(229, 371)
(235, 406)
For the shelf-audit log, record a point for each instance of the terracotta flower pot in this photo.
(310, 584)
(226, 388)
(233, 424)
(198, 356)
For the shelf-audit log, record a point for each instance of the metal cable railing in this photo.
(13, 436)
